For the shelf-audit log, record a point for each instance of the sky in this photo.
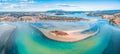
(68, 5)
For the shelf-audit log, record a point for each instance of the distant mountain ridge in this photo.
(55, 10)
(62, 12)
(103, 12)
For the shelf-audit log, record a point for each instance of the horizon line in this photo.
(56, 9)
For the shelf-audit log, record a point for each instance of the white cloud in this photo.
(7, 6)
(11, 6)
(20, 5)
(17, 1)
(14, 0)
(31, 5)
(65, 5)
(28, 1)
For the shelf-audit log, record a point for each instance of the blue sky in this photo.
(69, 5)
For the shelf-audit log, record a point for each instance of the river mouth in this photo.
(59, 33)
(30, 40)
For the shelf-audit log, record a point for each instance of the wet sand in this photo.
(73, 35)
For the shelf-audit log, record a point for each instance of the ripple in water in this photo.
(29, 40)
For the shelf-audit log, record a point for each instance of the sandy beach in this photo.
(73, 35)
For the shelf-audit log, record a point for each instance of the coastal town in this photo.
(38, 18)
(54, 16)
(59, 27)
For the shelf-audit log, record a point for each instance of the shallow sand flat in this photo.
(4, 28)
(73, 31)
(5, 32)
(74, 35)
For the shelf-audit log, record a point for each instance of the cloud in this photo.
(28, 1)
(17, 1)
(8, 6)
(19, 5)
(14, 0)
(11, 6)
(65, 5)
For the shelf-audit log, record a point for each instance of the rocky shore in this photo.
(113, 18)
(39, 18)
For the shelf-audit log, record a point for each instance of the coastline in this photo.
(5, 35)
(72, 36)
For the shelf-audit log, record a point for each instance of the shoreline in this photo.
(71, 37)
(5, 34)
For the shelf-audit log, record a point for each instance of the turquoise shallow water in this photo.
(29, 40)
